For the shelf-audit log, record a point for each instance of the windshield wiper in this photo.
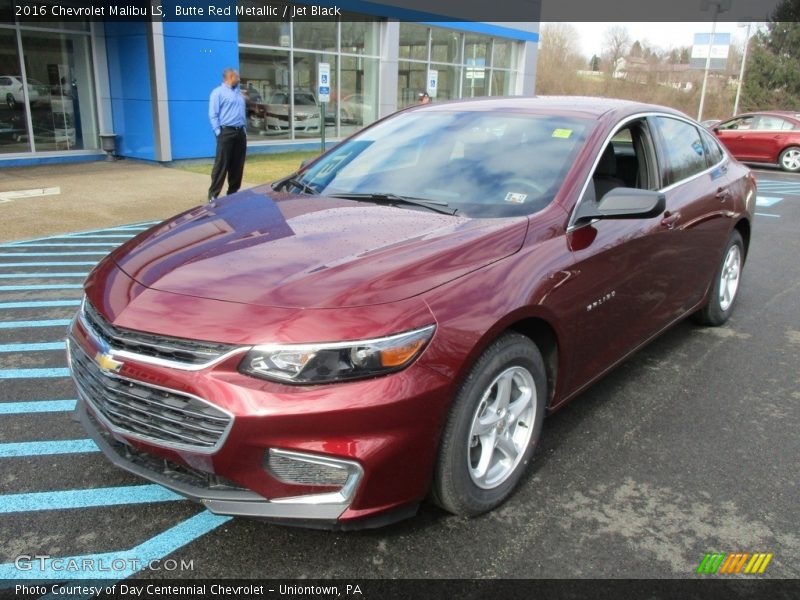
(296, 183)
(434, 205)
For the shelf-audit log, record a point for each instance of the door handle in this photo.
(722, 194)
(670, 219)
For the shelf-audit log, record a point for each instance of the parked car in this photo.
(771, 138)
(395, 320)
(710, 123)
(273, 116)
(13, 92)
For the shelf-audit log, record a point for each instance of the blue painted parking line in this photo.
(17, 450)
(789, 186)
(32, 347)
(136, 559)
(31, 324)
(64, 263)
(39, 275)
(767, 200)
(47, 286)
(56, 245)
(109, 496)
(83, 236)
(26, 254)
(39, 303)
(36, 406)
(33, 373)
(123, 228)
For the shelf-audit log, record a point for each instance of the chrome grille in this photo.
(148, 412)
(174, 471)
(147, 344)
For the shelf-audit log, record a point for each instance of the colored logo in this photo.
(105, 360)
(734, 563)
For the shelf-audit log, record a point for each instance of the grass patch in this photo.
(260, 168)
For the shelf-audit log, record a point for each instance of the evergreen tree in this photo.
(772, 77)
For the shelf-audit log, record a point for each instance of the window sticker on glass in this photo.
(516, 198)
(564, 134)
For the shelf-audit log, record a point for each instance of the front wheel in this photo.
(11, 102)
(790, 159)
(492, 429)
(720, 303)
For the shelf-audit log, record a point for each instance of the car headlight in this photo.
(339, 361)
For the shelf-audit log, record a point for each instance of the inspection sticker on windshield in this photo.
(562, 133)
(516, 198)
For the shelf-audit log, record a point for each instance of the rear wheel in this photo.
(720, 303)
(790, 159)
(492, 429)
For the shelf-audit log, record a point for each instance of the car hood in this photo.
(311, 251)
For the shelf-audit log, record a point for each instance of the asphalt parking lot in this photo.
(690, 447)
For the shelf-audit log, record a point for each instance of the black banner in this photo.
(42, 11)
(417, 589)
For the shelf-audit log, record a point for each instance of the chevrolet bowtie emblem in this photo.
(107, 362)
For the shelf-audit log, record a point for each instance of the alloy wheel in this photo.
(501, 427)
(729, 278)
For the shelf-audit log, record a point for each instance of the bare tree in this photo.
(616, 44)
(559, 59)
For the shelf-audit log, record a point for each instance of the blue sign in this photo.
(324, 90)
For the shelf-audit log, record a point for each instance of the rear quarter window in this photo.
(682, 153)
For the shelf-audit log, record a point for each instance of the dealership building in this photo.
(64, 84)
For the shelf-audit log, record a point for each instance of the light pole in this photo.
(718, 7)
(741, 69)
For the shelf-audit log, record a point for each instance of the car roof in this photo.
(585, 106)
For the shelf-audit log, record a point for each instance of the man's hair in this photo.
(227, 71)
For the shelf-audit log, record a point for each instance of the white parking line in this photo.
(33, 193)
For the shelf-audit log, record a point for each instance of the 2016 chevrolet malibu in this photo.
(394, 321)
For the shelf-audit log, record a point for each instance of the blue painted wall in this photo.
(196, 53)
(129, 82)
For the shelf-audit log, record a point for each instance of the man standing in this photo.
(226, 111)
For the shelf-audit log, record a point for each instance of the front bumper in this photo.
(217, 495)
(383, 431)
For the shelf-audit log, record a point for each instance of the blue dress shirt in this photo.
(226, 108)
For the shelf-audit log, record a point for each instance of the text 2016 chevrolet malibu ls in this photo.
(395, 320)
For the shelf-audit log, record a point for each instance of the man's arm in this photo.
(213, 110)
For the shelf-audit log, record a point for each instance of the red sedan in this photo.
(771, 138)
(394, 321)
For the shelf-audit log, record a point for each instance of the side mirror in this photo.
(715, 129)
(624, 203)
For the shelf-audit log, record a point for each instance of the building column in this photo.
(158, 85)
(526, 82)
(389, 53)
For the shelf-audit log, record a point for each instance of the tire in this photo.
(11, 102)
(789, 160)
(475, 471)
(725, 290)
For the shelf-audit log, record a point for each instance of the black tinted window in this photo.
(713, 151)
(682, 151)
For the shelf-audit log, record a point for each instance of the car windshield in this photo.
(484, 164)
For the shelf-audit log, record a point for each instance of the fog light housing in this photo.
(299, 468)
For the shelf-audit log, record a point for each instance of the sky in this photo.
(663, 35)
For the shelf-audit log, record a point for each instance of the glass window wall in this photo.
(279, 68)
(47, 99)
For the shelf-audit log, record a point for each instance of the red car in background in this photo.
(393, 321)
(771, 138)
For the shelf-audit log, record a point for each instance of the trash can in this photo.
(108, 142)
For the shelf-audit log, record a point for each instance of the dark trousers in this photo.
(231, 150)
